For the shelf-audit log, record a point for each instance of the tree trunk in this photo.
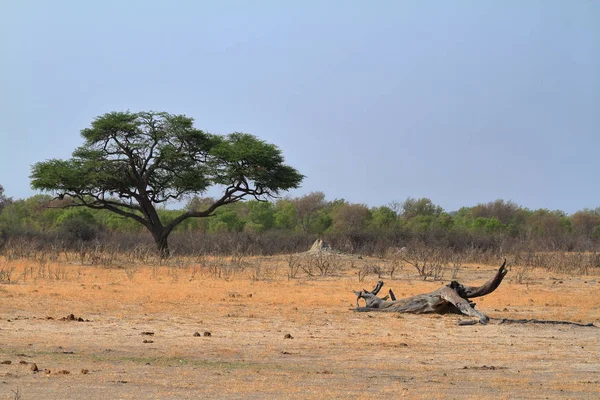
(452, 298)
(162, 243)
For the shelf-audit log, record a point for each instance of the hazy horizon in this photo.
(461, 102)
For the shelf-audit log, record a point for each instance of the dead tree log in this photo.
(452, 298)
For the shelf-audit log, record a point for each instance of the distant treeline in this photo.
(290, 224)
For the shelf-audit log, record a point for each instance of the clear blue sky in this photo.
(374, 101)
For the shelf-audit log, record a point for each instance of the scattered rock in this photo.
(148, 341)
(207, 334)
(288, 336)
(84, 371)
(72, 317)
(34, 367)
(196, 334)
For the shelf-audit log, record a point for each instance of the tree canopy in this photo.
(132, 162)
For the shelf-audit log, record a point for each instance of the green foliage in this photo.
(166, 153)
(549, 223)
(310, 213)
(226, 219)
(586, 222)
(350, 217)
(421, 223)
(260, 215)
(28, 214)
(383, 218)
(285, 215)
(488, 225)
(419, 207)
(4, 201)
(116, 222)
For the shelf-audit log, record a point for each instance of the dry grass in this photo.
(334, 353)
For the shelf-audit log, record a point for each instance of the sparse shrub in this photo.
(294, 263)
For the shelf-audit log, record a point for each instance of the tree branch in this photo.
(486, 288)
(100, 204)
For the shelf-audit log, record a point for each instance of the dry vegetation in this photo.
(140, 316)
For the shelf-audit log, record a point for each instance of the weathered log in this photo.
(452, 298)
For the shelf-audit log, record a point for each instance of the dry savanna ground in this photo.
(274, 337)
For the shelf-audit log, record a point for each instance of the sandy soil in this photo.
(333, 353)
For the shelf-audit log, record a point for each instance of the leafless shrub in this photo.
(520, 275)
(195, 267)
(294, 264)
(394, 255)
(429, 262)
(58, 272)
(308, 267)
(456, 261)
(222, 267)
(260, 271)
(371, 269)
(6, 272)
(580, 263)
(27, 273)
(364, 272)
(322, 263)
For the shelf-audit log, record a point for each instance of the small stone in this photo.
(23, 362)
(34, 367)
(63, 372)
(147, 333)
(196, 334)
(84, 371)
(207, 334)
(7, 362)
(288, 336)
(148, 341)
(47, 371)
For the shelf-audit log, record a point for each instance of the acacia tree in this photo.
(130, 163)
